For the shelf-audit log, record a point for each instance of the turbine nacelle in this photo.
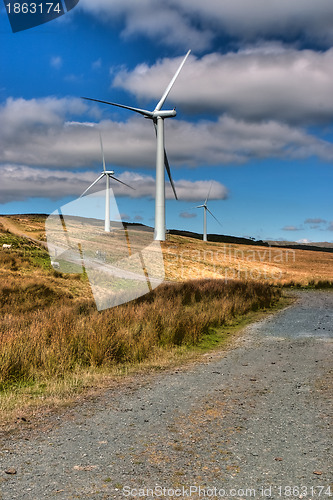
(164, 113)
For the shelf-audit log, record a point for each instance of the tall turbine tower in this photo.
(206, 209)
(108, 174)
(158, 116)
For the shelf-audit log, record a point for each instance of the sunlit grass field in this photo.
(53, 341)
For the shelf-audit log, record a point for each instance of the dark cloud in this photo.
(194, 23)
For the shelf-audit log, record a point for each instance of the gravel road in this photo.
(253, 421)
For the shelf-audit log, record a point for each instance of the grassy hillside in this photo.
(54, 343)
(188, 258)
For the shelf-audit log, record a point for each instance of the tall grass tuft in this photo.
(46, 333)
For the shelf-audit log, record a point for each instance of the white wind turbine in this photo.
(108, 174)
(158, 116)
(206, 209)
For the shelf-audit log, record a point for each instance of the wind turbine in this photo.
(158, 116)
(108, 174)
(206, 209)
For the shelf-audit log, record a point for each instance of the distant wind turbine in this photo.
(206, 209)
(158, 116)
(108, 174)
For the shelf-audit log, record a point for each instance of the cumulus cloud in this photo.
(161, 21)
(198, 24)
(330, 227)
(259, 83)
(36, 133)
(21, 182)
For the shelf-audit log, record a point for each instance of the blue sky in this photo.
(254, 104)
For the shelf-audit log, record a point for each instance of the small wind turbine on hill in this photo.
(206, 209)
(158, 116)
(108, 174)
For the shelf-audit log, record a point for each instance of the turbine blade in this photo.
(143, 112)
(167, 90)
(209, 192)
(121, 182)
(93, 184)
(214, 216)
(167, 167)
(100, 136)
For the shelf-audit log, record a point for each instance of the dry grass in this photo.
(46, 334)
(53, 342)
(187, 258)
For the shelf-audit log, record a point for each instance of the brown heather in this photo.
(47, 333)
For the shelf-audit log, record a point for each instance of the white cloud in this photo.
(159, 21)
(21, 182)
(197, 24)
(303, 241)
(259, 83)
(38, 132)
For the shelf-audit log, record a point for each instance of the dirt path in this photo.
(255, 417)
(9, 225)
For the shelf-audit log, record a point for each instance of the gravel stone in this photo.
(254, 417)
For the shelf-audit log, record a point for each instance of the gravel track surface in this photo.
(254, 417)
